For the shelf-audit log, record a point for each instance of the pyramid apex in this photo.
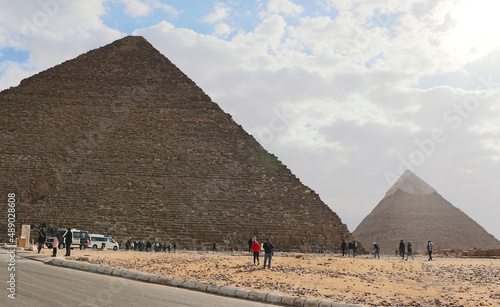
(411, 184)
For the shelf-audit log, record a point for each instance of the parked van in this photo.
(97, 241)
(80, 238)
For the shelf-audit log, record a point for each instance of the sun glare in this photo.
(477, 27)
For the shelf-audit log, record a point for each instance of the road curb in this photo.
(199, 286)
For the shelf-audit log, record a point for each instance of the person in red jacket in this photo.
(256, 250)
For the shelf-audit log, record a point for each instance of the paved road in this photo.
(39, 284)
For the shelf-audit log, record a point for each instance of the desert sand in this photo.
(388, 281)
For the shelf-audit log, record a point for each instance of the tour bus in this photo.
(98, 241)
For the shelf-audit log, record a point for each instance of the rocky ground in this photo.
(385, 282)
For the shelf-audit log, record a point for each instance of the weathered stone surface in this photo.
(311, 303)
(299, 302)
(176, 282)
(165, 281)
(227, 291)
(242, 293)
(414, 212)
(201, 286)
(288, 300)
(189, 284)
(257, 296)
(154, 278)
(121, 142)
(213, 288)
(274, 298)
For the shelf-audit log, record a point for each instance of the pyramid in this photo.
(119, 141)
(413, 211)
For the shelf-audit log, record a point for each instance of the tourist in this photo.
(175, 246)
(55, 244)
(41, 238)
(354, 249)
(214, 246)
(255, 249)
(402, 248)
(343, 246)
(68, 240)
(410, 251)
(350, 247)
(169, 246)
(127, 245)
(430, 246)
(250, 245)
(377, 250)
(268, 253)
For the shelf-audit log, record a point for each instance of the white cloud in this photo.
(138, 8)
(217, 18)
(219, 14)
(285, 7)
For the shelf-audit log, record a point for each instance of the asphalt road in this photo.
(39, 284)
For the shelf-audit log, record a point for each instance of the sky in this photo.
(348, 94)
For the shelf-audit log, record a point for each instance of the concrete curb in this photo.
(200, 286)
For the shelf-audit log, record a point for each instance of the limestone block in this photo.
(311, 303)
(288, 300)
(242, 293)
(227, 291)
(274, 298)
(213, 288)
(176, 282)
(257, 296)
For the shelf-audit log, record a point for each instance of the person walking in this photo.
(268, 253)
(377, 250)
(343, 246)
(55, 244)
(354, 249)
(41, 238)
(214, 246)
(250, 242)
(430, 246)
(68, 240)
(255, 249)
(350, 247)
(402, 248)
(410, 251)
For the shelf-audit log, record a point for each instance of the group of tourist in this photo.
(405, 249)
(67, 238)
(148, 246)
(350, 249)
(256, 248)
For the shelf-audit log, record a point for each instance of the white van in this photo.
(97, 241)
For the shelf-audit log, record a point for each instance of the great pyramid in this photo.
(413, 211)
(119, 141)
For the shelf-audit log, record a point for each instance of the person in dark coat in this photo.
(343, 246)
(41, 238)
(402, 248)
(68, 240)
(250, 245)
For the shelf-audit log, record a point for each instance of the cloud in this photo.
(138, 8)
(284, 7)
(216, 18)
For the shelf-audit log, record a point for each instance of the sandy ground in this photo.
(366, 281)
